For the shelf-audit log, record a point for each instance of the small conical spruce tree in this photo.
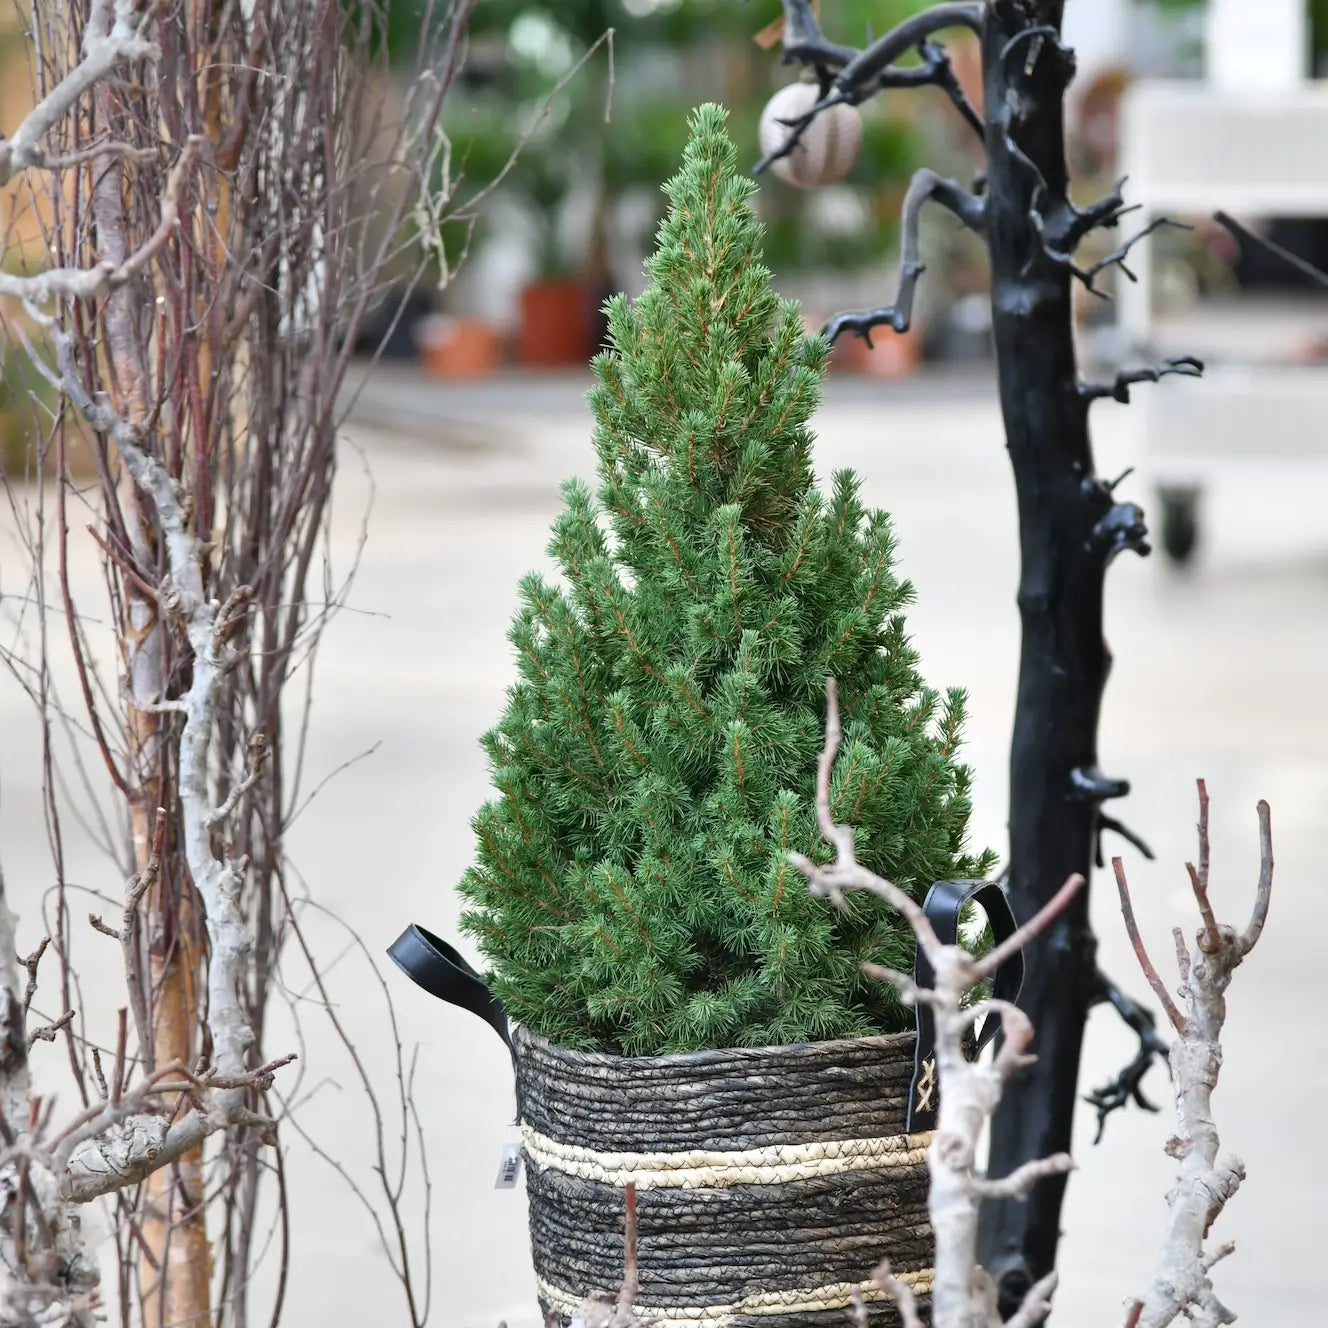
(657, 758)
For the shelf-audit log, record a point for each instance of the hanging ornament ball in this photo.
(828, 147)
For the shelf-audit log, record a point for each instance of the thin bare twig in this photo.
(30, 963)
(1199, 876)
(900, 1292)
(1263, 892)
(631, 1275)
(47, 1032)
(1141, 950)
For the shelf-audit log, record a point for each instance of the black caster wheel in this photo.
(1180, 521)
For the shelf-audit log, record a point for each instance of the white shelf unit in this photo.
(1190, 150)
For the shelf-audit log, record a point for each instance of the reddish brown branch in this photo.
(1141, 951)
(631, 1275)
(1199, 877)
(1054, 907)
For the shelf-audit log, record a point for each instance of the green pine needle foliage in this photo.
(657, 759)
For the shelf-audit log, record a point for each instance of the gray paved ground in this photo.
(1219, 673)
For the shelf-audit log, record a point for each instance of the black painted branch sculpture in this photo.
(1071, 528)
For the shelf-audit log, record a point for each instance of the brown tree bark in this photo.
(176, 1266)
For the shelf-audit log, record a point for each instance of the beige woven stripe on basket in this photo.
(837, 1296)
(703, 1169)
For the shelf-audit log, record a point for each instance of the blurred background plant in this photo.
(577, 109)
(579, 205)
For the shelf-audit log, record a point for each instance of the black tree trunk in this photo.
(1070, 528)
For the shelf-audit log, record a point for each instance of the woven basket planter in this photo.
(770, 1182)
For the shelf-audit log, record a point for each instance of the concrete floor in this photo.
(1219, 673)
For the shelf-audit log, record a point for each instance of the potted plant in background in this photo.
(833, 215)
(591, 140)
(459, 341)
(553, 98)
(689, 1020)
(556, 320)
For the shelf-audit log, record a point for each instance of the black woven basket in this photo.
(770, 1181)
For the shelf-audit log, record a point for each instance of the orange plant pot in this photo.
(893, 355)
(556, 325)
(459, 348)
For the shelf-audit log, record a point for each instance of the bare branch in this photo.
(850, 77)
(1113, 824)
(969, 1091)
(1185, 366)
(1207, 1178)
(1182, 954)
(1054, 907)
(47, 1032)
(93, 282)
(870, 65)
(1141, 951)
(900, 1292)
(926, 186)
(1128, 1085)
(129, 934)
(1037, 1304)
(909, 991)
(606, 1311)
(1316, 275)
(113, 37)
(631, 1274)
(1020, 1181)
(258, 754)
(30, 963)
(839, 836)
(1250, 936)
(804, 42)
(1088, 276)
(64, 161)
(99, 924)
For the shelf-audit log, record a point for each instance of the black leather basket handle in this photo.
(431, 963)
(944, 907)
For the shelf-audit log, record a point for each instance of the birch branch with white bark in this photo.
(88, 283)
(120, 1141)
(46, 1277)
(124, 1148)
(1207, 1177)
(114, 37)
(963, 1295)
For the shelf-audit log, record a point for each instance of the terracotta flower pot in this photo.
(459, 347)
(892, 354)
(557, 325)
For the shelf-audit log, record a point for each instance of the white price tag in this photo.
(509, 1168)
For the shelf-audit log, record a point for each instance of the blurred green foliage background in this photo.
(619, 122)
